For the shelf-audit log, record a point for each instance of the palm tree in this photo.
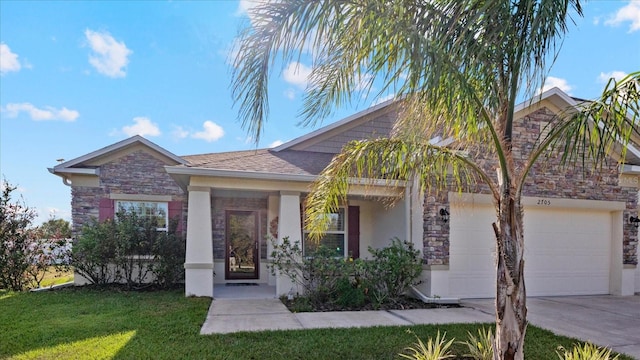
(458, 67)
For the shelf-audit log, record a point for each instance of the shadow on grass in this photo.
(110, 324)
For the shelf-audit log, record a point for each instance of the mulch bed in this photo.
(301, 304)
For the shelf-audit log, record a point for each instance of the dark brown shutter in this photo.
(106, 209)
(175, 212)
(353, 246)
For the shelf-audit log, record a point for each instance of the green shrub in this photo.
(318, 275)
(349, 283)
(438, 349)
(349, 294)
(480, 347)
(94, 252)
(168, 257)
(129, 250)
(587, 351)
(25, 253)
(391, 272)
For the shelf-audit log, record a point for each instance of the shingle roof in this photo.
(263, 160)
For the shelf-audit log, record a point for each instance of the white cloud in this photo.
(297, 74)
(246, 7)
(618, 75)
(290, 94)
(211, 132)
(630, 13)
(109, 56)
(560, 83)
(179, 132)
(143, 127)
(8, 60)
(383, 99)
(276, 143)
(37, 114)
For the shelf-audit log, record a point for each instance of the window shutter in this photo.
(175, 211)
(353, 246)
(106, 209)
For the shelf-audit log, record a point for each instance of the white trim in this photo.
(629, 169)
(81, 171)
(140, 197)
(135, 205)
(64, 167)
(468, 199)
(547, 95)
(257, 175)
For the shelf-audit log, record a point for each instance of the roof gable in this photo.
(375, 121)
(93, 159)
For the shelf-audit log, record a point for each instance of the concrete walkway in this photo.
(605, 320)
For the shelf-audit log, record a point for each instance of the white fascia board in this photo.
(335, 125)
(80, 171)
(549, 94)
(629, 169)
(117, 146)
(632, 149)
(179, 170)
(195, 171)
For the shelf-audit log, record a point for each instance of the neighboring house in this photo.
(578, 235)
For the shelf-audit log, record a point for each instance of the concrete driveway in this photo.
(612, 321)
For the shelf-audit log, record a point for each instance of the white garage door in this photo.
(567, 251)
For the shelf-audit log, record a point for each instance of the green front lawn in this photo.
(100, 324)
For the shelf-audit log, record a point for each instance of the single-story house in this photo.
(579, 233)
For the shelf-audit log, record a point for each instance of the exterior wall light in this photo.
(634, 220)
(444, 215)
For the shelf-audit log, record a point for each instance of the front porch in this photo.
(220, 210)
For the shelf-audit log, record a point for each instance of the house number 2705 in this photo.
(544, 202)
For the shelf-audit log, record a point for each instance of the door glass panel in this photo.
(241, 245)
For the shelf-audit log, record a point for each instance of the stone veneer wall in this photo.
(135, 173)
(221, 205)
(547, 179)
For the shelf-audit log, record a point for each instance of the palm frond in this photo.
(390, 163)
(589, 134)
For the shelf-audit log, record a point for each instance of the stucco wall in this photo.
(546, 180)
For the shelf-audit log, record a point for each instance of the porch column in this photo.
(289, 225)
(198, 263)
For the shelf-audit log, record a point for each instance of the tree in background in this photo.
(55, 229)
(459, 67)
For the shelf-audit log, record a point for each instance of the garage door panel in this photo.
(476, 285)
(567, 251)
(555, 283)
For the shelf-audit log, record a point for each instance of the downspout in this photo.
(65, 180)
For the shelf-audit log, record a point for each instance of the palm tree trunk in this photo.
(511, 308)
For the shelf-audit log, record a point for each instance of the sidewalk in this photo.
(233, 315)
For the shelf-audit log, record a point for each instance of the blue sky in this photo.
(77, 76)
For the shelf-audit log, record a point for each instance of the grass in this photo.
(55, 277)
(100, 324)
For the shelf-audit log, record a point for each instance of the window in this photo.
(334, 238)
(147, 209)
